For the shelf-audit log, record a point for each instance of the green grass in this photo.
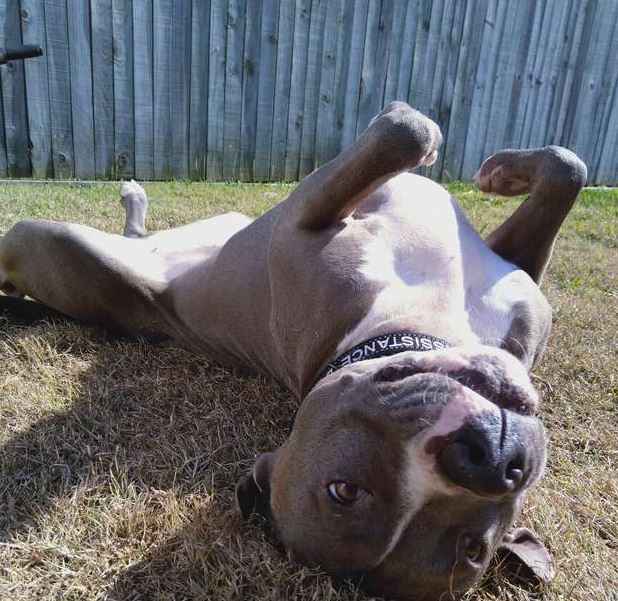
(118, 459)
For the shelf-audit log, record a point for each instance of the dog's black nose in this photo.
(487, 455)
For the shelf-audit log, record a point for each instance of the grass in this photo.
(118, 460)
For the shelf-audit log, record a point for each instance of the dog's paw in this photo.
(506, 173)
(413, 138)
(132, 192)
(512, 172)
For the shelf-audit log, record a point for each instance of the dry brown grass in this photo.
(118, 460)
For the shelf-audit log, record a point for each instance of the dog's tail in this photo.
(29, 311)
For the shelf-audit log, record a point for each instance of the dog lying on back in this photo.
(407, 338)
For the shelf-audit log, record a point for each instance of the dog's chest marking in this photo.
(432, 268)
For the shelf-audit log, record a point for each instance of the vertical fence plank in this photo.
(547, 75)
(216, 89)
(103, 87)
(2, 136)
(312, 89)
(250, 87)
(442, 96)
(124, 122)
(334, 134)
(395, 51)
(37, 90)
(356, 51)
(59, 87)
(375, 62)
(297, 88)
(282, 86)
(510, 65)
(233, 88)
(80, 52)
(143, 101)
(326, 98)
(180, 92)
(407, 51)
(463, 94)
(266, 89)
(484, 82)
(162, 49)
(200, 34)
(14, 96)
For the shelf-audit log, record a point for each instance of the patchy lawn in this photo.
(118, 460)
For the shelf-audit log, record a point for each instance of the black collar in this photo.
(384, 346)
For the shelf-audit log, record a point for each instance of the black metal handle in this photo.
(27, 51)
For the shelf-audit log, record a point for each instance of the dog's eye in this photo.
(343, 493)
(473, 548)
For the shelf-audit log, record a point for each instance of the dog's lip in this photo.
(415, 373)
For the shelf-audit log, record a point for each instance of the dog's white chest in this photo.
(434, 272)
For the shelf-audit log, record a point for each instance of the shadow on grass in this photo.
(164, 435)
(152, 421)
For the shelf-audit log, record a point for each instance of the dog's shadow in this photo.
(148, 449)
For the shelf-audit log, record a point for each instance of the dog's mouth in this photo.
(432, 381)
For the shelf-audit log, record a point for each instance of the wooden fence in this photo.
(268, 89)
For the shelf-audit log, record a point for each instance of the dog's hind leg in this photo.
(135, 202)
(553, 176)
(398, 139)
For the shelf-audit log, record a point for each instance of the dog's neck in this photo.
(385, 345)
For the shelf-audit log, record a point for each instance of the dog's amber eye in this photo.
(473, 548)
(343, 493)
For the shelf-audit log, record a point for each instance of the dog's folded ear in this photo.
(523, 545)
(253, 490)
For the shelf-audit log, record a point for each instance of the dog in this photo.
(407, 338)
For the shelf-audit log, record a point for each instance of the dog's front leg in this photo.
(553, 176)
(398, 139)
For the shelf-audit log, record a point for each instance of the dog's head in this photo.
(408, 472)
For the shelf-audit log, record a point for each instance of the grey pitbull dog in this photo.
(407, 338)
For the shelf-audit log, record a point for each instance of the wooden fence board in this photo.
(124, 121)
(330, 57)
(463, 91)
(298, 85)
(180, 74)
(103, 87)
(143, 91)
(14, 97)
(312, 89)
(80, 52)
(37, 90)
(216, 89)
(283, 75)
(250, 89)
(355, 52)
(162, 50)
(2, 136)
(59, 87)
(234, 53)
(198, 129)
(485, 81)
(375, 62)
(266, 89)
(442, 96)
(333, 132)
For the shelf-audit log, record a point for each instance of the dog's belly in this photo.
(434, 272)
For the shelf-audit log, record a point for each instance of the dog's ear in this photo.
(524, 546)
(253, 490)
